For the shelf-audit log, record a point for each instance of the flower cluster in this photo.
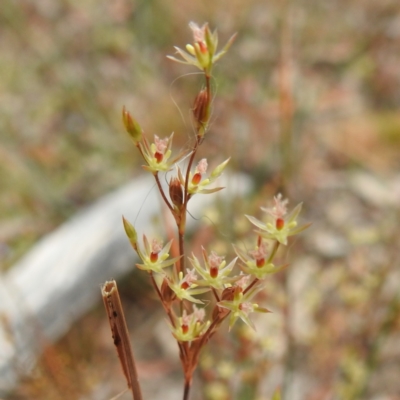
(213, 273)
(211, 280)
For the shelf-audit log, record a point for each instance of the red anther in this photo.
(203, 47)
(214, 272)
(185, 328)
(196, 178)
(260, 262)
(153, 257)
(184, 285)
(280, 223)
(158, 156)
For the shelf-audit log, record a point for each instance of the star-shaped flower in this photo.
(157, 155)
(256, 262)
(241, 306)
(215, 273)
(190, 327)
(197, 183)
(278, 225)
(202, 53)
(155, 256)
(185, 286)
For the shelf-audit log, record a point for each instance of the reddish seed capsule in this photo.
(201, 108)
(280, 223)
(175, 192)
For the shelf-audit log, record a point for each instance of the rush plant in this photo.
(199, 290)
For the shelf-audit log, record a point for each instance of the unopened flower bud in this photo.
(130, 232)
(167, 293)
(175, 192)
(131, 126)
(201, 110)
(228, 293)
(220, 312)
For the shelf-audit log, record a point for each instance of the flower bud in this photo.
(167, 293)
(131, 126)
(201, 110)
(219, 169)
(130, 232)
(175, 192)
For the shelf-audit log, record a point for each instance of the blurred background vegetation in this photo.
(308, 100)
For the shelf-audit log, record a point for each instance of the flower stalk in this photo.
(186, 294)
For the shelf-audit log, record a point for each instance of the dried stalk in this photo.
(120, 335)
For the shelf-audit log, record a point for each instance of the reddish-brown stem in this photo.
(182, 220)
(167, 309)
(186, 390)
(181, 264)
(215, 295)
(182, 349)
(205, 337)
(203, 340)
(251, 285)
(162, 192)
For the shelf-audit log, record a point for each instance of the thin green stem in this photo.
(273, 252)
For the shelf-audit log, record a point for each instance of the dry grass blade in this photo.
(120, 335)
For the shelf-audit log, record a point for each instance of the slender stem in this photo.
(162, 192)
(215, 295)
(208, 87)
(182, 221)
(186, 390)
(208, 333)
(139, 146)
(273, 252)
(181, 264)
(182, 224)
(167, 309)
(251, 285)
